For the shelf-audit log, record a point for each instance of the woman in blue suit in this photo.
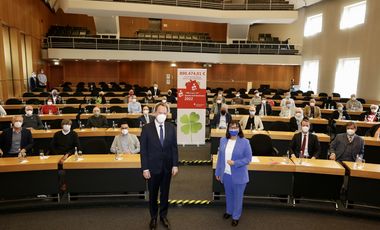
(231, 169)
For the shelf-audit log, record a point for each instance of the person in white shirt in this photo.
(295, 121)
(286, 100)
(134, 106)
(256, 99)
(251, 122)
(288, 110)
(2, 111)
(42, 79)
(125, 142)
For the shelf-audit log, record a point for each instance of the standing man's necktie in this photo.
(303, 145)
(147, 119)
(161, 135)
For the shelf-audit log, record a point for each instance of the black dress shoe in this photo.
(165, 222)
(153, 224)
(235, 223)
(226, 216)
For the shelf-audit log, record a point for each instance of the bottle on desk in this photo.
(117, 154)
(76, 155)
(113, 125)
(141, 124)
(46, 126)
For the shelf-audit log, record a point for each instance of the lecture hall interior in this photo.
(109, 105)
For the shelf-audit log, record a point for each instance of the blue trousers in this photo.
(234, 196)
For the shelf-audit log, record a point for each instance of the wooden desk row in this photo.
(72, 116)
(319, 180)
(86, 132)
(319, 121)
(123, 105)
(101, 174)
(86, 97)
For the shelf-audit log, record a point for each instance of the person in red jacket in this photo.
(49, 108)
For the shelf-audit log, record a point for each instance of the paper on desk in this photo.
(24, 161)
(305, 164)
(255, 159)
(44, 157)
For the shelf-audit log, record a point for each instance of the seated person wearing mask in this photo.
(264, 108)
(295, 121)
(305, 144)
(288, 110)
(165, 102)
(251, 122)
(347, 146)
(56, 99)
(149, 98)
(49, 108)
(97, 120)
(64, 141)
(31, 121)
(353, 104)
(237, 99)
(134, 106)
(171, 97)
(219, 96)
(285, 101)
(125, 142)
(221, 119)
(256, 99)
(146, 118)
(311, 110)
(340, 113)
(373, 115)
(215, 109)
(16, 140)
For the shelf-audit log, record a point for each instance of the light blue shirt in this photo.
(134, 107)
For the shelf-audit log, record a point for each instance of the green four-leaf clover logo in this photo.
(190, 124)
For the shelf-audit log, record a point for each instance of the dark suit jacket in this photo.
(293, 124)
(268, 109)
(6, 141)
(313, 147)
(335, 115)
(340, 146)
(158, 93)
(155, 157)
(216, 119)
(143, 121)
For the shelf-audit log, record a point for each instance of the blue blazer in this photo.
(158, 159)
(241, 155)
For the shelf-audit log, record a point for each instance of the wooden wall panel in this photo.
(217, 31)
(78, 20)
(90, 71)
(129, 25)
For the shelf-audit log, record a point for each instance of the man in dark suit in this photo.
(155, 91)
(16, 140)
(305, 144)
(146, 118)
(221, 119)
(159, 162)
(264, 109)
(347, 146)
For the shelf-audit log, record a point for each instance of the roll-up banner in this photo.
(191, 106)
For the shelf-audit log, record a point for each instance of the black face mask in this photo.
(223, 112)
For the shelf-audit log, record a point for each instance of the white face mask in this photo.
(350, 132)
(49, 103)
(97, 113)
(161, 118)
(289, 105)
(353, 98)
(263, 101)
(257, 94)
(218, 101)
(124, 131)
(134, 100)
(298, 115)
(252, 113)
(145, 111)
(340, 108)
(66, 128)
(155, 87)
(164, 101)
(373, 110)
(18, 124)
(237, 95)
(312, 104)
(29, 112)
(305, 129)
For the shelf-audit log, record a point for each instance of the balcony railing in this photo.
(169, 46)
(218, 5)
